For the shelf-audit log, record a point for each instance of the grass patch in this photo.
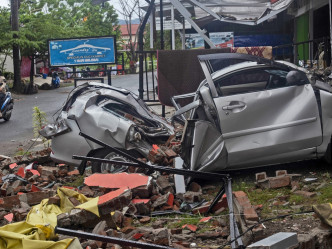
(78, 182)
(326, 194)
(296, 199)
(183, 220)
(22, 153)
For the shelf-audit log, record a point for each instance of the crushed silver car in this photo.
(113, 115)
(251, 111)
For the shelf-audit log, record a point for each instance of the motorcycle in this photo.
(7, 105)
(55, 80)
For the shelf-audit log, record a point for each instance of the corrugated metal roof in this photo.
(249, 12)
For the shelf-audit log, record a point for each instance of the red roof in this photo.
(124, 30)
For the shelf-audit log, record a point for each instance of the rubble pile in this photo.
(134, 206)
(129, 205)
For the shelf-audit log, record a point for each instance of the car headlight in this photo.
(133, 135)
(55, 129)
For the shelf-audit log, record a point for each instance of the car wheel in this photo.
(109, 167)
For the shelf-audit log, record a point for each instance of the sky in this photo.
(115, 3)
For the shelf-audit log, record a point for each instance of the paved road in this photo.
(18, 131)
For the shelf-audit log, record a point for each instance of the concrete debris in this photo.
(127, 202)
(278, 240)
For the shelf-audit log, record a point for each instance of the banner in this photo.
(82, 51)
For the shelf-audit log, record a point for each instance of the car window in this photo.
(251, 81)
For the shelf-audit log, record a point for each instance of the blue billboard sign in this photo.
(82, 51)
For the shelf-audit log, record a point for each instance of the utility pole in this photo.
(16, 48)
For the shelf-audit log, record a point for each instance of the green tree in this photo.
(167, 39)
(5, 29)
(41, 20)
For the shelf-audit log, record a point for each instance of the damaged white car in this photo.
(112, 115)
(251, 112)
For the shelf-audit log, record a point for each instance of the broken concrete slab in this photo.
(116, 181)
(280, 240)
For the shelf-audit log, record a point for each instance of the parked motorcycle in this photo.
(7, 104)
(55, 80)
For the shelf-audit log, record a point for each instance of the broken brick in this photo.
(137, 236)
(192, 228)
(281, 172)
(20, 213)
(205, 219)
(74, 201)
(279, 181)
(128, 229)
(164, 185)
(21, 172)
(115, 200)
(144, 220)
(87, 191)
(54, 200)
(305, 193)
(73, 173)
(250, 214)
(9, 202)
(260, 176)
(170, 153)
(9, 217)
(195, 187)
(164, 200)
(13, 165)
(34, 198)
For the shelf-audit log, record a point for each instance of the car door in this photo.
(264, 120)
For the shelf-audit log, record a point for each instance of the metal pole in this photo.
(183, 33)
(107, 239)
(151, 29)
(16, 48)
(161, 16)
(173, 29)
(141, 48)
(109, 79)
(330, 8)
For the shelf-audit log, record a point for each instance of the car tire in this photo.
(98, 167)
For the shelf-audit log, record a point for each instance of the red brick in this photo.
(192, 228)
(10, 202)
(204, 208)
(21, 172)
(73, 173)
(170, 153)
(260, 176)
(250, 214)
(238, 194)
(9, 217)
(279, 181)
(281, 172)
(34, 198)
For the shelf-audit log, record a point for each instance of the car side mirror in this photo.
(296, 78)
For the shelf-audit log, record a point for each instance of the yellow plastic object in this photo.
(38, 229)
(22, 235)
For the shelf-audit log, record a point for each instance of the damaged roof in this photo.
(249, 12)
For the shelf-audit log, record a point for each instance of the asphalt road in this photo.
(18, 131)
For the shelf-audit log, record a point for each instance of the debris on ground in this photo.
(147, 208)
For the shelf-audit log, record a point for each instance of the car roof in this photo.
(236, 67)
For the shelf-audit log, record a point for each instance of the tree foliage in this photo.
(41, 20)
